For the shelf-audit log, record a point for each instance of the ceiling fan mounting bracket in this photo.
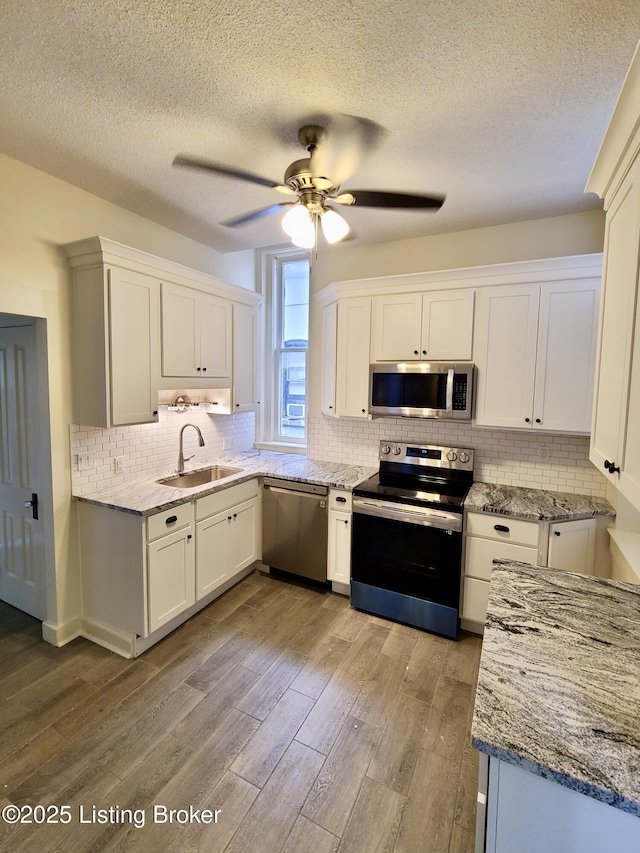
(310, 135)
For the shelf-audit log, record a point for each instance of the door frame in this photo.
(45, 480)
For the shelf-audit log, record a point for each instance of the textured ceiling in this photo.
(500, 104)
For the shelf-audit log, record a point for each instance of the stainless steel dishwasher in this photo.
(294, 528)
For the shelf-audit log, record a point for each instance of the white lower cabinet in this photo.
(339, 537)
(170, 577)
(226, 543)
(529, 814)
(572, 545)
(490, 537)
(139, 575)
(568, 545)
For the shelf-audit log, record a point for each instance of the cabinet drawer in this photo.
(480, 554)
(475, 595)
(493, 527)
(340, 499)
(219, 501)
(166, 522)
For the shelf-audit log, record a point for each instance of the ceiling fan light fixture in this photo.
(298, 224)
(334, 226)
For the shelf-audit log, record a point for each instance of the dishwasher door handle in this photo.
(278, 490)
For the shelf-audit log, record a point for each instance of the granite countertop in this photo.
(144, 496)
(559, 682)
(534, 504)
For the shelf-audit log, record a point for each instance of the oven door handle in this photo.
(426, 518)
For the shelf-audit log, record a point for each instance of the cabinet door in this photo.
(329, 339)
(244, 533)
(565, 363)
(245, 354)
(213, 552)
(507, 333)
(397, 322)
(134, 346)
(475, 597)
(572, 545)
(170, 577)
(180, 331)
(214, 330)
(447, 325)
(339, 547)
(352, 380)
(619, 297)
(630, 476)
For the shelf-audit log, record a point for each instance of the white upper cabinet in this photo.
(346, 338)
(397, 325)
(506, 337)
(196, 333)
(617, 410)
(536, 355)
(447, 325)
(134, 322)
(329, 341)
(615, 440)
(566, 355)
(116, 343)
(352, 357)
(245, 358)
(436, 326)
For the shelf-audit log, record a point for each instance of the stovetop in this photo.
(424, 493)
(422, 475)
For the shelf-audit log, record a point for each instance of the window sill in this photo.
(281, 447)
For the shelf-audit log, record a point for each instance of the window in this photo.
(286, 347)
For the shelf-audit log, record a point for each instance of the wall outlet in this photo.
(225, 443)
(544, 454)
(118, 464)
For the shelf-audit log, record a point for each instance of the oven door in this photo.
(406, 564)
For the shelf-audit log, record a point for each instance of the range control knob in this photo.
(464, 457)
(452, 456)
(385, 449)
(397, 450)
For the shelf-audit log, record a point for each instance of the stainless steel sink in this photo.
(198, 478)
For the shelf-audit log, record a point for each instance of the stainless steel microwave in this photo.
(421, 389)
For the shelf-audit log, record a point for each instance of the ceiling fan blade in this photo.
(220, 169)
(380, 198)
(347, 142)
(256, 214)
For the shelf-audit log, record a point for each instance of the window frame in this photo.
(268, 434)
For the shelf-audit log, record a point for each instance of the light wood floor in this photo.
(310, 726)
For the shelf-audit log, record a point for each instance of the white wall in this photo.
(553, 237)
(37, 214)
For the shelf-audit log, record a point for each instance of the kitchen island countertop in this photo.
(559, 682)
(534, 504)
(145, 496)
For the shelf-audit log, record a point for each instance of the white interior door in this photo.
(21, 530)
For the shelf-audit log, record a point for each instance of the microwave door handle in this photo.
(449, 395)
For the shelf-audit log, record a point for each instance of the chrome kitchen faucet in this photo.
(181, 459)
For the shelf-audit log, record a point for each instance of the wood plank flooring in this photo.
(311, 727)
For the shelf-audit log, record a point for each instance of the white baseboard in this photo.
(60, 635)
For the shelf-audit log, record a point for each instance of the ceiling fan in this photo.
(315, 182)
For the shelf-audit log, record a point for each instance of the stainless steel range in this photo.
(406, 547)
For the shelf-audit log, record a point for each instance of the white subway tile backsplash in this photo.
(501, 456)
(153, 447)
